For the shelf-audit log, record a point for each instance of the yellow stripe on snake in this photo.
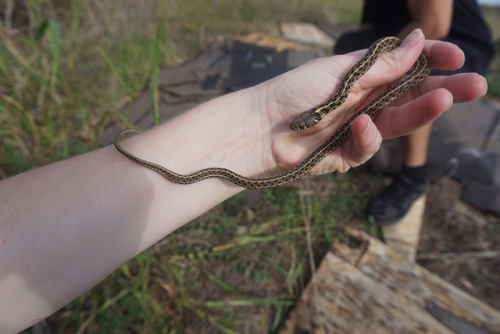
(309, 118)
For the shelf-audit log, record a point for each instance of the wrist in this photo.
(239, 138)
(226, 132)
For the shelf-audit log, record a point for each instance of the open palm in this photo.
(316, 82)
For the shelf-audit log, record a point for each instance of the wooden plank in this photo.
(403, 237)
(371, 289)
(265, 40)
(306, 33)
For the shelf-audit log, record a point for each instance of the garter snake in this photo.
(420, 71)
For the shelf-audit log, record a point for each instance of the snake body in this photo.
(309, 118)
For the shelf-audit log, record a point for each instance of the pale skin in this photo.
(66, 226)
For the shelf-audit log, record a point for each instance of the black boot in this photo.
(394, 201)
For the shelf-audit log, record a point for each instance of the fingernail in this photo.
(413, 38)
(486, 85)
(369, 129)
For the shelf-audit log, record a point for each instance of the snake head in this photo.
(305, 120)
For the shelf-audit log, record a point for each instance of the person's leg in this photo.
(415, 146)
(408, 185)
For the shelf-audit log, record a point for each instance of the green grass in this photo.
(80, 61)
(65, 78)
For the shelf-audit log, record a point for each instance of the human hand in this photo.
(310, 85)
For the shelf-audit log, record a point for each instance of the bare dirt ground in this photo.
(460, 243)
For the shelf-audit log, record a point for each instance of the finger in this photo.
(395, 63)
(399, 121)
(444, 55)
(365, 142)
(464, 87)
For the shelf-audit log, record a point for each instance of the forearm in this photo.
(66, 226)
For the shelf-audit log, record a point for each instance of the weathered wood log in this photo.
(371, 289)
